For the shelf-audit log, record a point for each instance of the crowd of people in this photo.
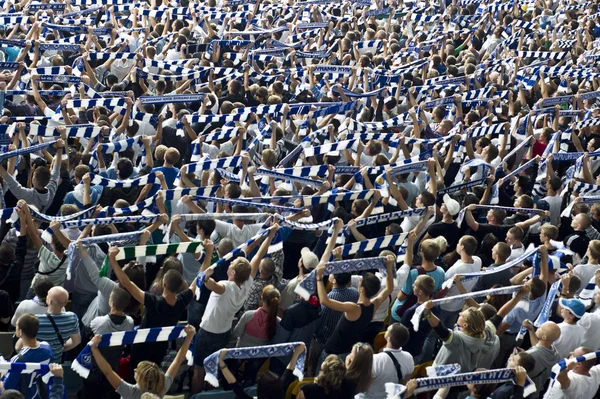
(314, 198)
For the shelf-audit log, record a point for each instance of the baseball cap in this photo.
(574, 306)
(452, 205)
(309, 259)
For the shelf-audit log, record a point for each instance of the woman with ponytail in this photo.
(258, 327)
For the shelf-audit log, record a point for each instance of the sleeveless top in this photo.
(347, 333)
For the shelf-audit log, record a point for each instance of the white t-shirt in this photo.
(571, 337)
(458, 268)
(591, 324)
(221, 309)
(554, 202)
(237, 235)
(585, 274)
(515, 253)
(582, 386)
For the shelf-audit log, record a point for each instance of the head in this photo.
(514, 236)
(424, 286)
(501, 252)
(119, 299)
(270, 302)
(149, 377)
(269, 386)
(266, 268)
(42, 285)
(548, 332)
(369, 285)
(430, 250)
(583, 367)
(341, 280)
(359, 364)
(396, 336)
(239, 271)
(41, 177)
(522, 359)
(593, 251)
(57, 298)
(332, 373)
(496, 216)
(27, 326)
(472, 322)
(172, 281)
(581, 222)
(548, 232)
(571, 310)
(7, 254)
(467, 245)
(172, 156)
(225, 246)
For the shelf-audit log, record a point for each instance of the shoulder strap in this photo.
(58, 334)
(396, 365)
(56, 268)
(420, 270)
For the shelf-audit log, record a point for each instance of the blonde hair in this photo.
(594, 248)
(332, 374)
(441, 242)
(150, 378)
(475, 323)
(148, 395)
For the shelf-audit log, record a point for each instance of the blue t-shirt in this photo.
(437, 275)
(41, 354)
(170, 176)
(525, 310)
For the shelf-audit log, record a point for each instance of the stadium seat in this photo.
(6, 344)
(379, 342)
(290, 390)
(421, 370)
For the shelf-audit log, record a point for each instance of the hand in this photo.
(472, 207)
(56, 370)
(95, 341)
(337, 253)
(176, 220)
(186, 199)
(411, 387)
(60, 144)
(527, 324)
(209, 272)
(520, 375)
(457, 279)
(320, 271)
(190, 331)
(525, 289)
(412, 237)
(389, 261)
(351, 224)
(222, 355)
(86, 179)
(429, 305)
(112, 252)
(164, 218)
(54, 225)
(299, 349)
(208, 245)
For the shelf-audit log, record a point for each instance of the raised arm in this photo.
(113, 378)
(262, 251)
(389, 282)
(130, 286)
(470, 219)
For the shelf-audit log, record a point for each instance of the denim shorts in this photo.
(208, 343)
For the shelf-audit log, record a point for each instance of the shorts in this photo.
(208, 343)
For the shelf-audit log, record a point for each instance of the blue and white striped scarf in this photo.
(461, 214)
(562, 365)
(19, 368)
(397, 391)
(211, 363)
(309, 284)
(494, 291)
(28, 150)
(83, 364)
(110, 183)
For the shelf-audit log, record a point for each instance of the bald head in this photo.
(57, 298)
(549, 331)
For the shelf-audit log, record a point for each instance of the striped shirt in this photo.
(330, 317)
(51, 266)
(66, 322)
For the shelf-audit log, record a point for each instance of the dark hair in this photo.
(427, 198)
(399, 335)
(42, 175)
(343, 279)
(538, 287)
(120, 298)
(125, 168)
(208, 226)
(7, 254)
(526, 361)
(173, 280)
(371, 284)
(269, 386)
(41, 287)
(29, 325)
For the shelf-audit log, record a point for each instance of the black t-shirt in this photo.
(158, 313)
(314, 391)
(6, 309)
(485, 229)
(450, 231)
(415, 343)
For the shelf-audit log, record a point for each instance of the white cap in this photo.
(452, 205)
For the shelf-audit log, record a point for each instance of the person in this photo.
(38, 304)
(308, 261)
(543, 351)
(44, 182)
(32, 351)
(148, 376)
(509, 389)
(96, 385)
(393, 365)
(11, 261)
(58, 328)
(357, 316)
(159, 311)
(269, 385)
(468, 346)
(226, 299)
(328, 383)
(359, 366)
(423, 289)
(585, 272)
(578, 379)
(571, 332)
(266, 277)
(257, 328)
